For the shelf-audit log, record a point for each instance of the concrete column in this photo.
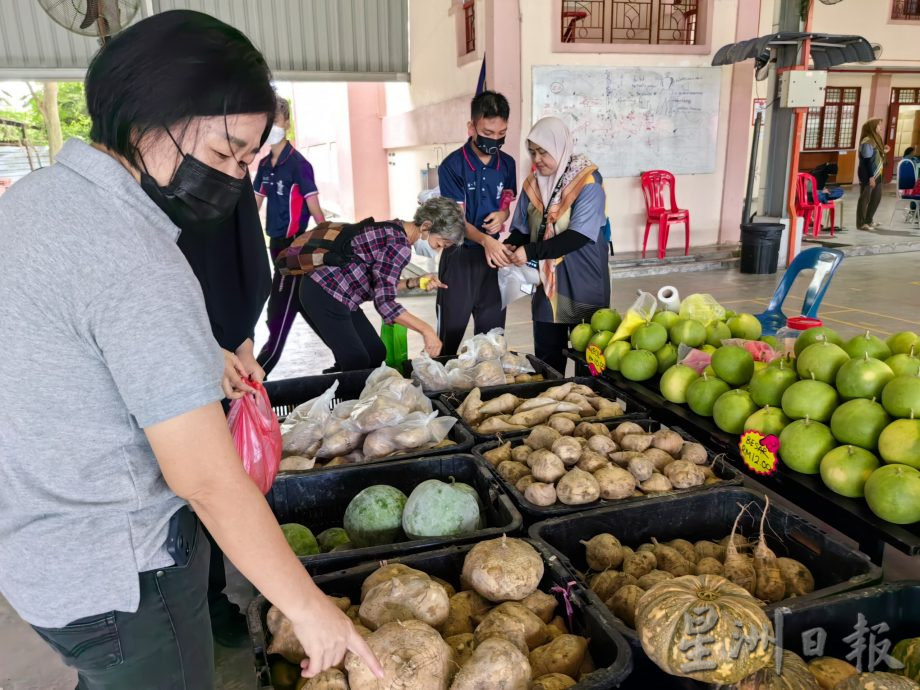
(369, 172)
(880, 97)
(503, 69)
(737, 150)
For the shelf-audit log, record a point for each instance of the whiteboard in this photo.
(630, 119)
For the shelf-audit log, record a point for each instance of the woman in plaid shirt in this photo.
(332, 295)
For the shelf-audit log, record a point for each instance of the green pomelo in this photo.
(639, 365)
(859, 423)
(865, 377)
(767, 420)
(581, 336)
(666, 319)
(330, 538)
(787, 361)
(374, 516)
(901, 397)
(606, 320)
(745, 326)
(809, 398)
(904, 365)
(811, 336)
(733, 364)
(823, 360)
(703, 393)
(688, 332)
(867, 344)
(650, 336)
(614, 353)
(675, 381)
(300, 539)
(601, 339)
(732, 409)
(667, 357)
(716, 332)
(438, 509)
(899, 443)
(769, 384)
(804, 443)
(902, 343)
(729, 314)
(893, 493)
(708, 349)
(845, 470)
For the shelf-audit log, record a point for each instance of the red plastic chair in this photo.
(661, 207)
(809, 206)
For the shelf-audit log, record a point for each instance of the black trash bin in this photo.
(760, 247)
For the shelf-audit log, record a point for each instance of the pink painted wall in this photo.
(366, 108)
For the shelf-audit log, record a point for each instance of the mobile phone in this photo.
(183, 526)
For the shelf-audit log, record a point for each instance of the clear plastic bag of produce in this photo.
(701, 307)
(691, 357)
(256, 436)
(388, 383)
(430, 374)
(375, 412)
(515, 364)
(515, 282)
(641, 312)
(761, 352)
(488, 373)
(302, 431)
(338, 440)
(377, 379)
(416, 431)
(486, 346)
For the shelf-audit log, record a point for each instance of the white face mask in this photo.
(275, 136)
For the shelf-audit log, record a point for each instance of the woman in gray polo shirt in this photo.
(110, 421)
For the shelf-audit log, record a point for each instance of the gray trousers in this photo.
(869, 199)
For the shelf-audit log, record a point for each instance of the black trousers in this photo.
(472, 290)
(549, 340)
(349, 334)
(165, 645)
(869, 200)
(283, 307)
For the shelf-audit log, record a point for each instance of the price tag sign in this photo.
(596, 361)
(759, 452)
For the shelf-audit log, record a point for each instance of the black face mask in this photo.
(489, 146)
(197, 197)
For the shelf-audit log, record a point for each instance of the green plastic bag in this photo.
(396, 339)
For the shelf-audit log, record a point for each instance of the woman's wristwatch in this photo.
(409, 285)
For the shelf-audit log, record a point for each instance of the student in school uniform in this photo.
(483, 179)
(285, 179)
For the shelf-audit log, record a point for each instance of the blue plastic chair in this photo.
(825, 263)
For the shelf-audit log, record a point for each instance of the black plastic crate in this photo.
(610, 652)
(709, 514)
(318, 500)
(533, 513)
(631, 407)
(286, 394)
(540, 367)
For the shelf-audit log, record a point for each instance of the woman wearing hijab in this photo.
(871, 163)
(559, 222)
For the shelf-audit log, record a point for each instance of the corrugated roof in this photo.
(346, 40)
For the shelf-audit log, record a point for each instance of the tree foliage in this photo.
(75, 120)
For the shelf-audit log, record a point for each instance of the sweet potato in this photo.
(449, 588)
(553, 681)
(590, 429)
(412, 654)
(548, 468)
(469, 409)
(516, 623)
(641, 468)
(511, 471)
(283, 640)
(578, 487)
(498, 455)
(589, 461)
(685, 548)
(564, 654)
(640, 563)
(695, 453)
(542, 604)
(659, 458)
(495, 663)
(609, 582)
(668, 558)
(683, 474)
(623, 604)
(540, 455)
(708, 565)
(615, 482)
(521, 453)
(503, 404)
(622, 457)
(542, 437)
(534, 403)
(656, 483)
(607, 409)
(541, 494)
(330, 679)
(625, 429)
(563, 425)
(498, 424)
(405, 597)
(651, 579)
(799, 580)
(387, 572)
(585, 408)
(637, 442)
(558, 392)
(603, 551)
(603, 445)
(462, 647)
(531, 418)
(465, 610)
(567, 449)
(669, 441)
(525, 481)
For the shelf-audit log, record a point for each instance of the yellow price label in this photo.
(596, 360)
(759, 452)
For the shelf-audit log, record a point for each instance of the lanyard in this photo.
(542, 228)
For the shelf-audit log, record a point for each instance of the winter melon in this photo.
(438, 509)
(374, 516)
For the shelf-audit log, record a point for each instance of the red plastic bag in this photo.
(257, 436)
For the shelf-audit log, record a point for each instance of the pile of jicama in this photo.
(499, 631)
(560, 407)
(596, 462)
(483, 360)
(391, 416)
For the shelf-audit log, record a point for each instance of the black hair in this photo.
(489, 104)
(908, 152)
(170, 68)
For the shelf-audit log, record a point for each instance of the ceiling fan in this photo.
(97, 18)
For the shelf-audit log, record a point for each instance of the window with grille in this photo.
(906, 9)
(469, 26)
(656, 22)
(834, 125)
